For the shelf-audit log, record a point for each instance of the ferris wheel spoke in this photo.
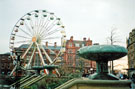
(50, 33)
(57, 72)
(42, 60)
(47, 56)
(22, 41)
(13, 70)
(43, 29)
(39, 26)
(31, 56)
(51, 25)
(22, 36)
(32, 26)
(25, 32)
(50, 60)
(42, 21)
(42, 24)
(29, 29)
(48, 28)
(56, 58)
(35, 28)
(51, 50)
(46, 22)
(27, 50)
(51, 38)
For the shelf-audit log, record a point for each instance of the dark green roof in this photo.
(7, 53)
(100, 52)
(25, 46)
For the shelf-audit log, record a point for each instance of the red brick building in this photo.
(72, 59)
(6, 64)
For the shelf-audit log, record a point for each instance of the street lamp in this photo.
(18, 68)
(91, 70)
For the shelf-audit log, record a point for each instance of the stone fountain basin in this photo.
(102, 52)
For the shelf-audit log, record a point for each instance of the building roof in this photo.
(78, 42)
(7, 53)
(49, 47)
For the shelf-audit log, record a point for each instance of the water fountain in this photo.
(101, 79)
(102, 54)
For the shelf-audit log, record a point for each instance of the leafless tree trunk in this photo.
(112, 39)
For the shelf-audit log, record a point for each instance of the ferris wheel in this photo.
(33, 31)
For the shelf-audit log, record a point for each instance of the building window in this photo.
(9, 58)
(131, 64)
(70, 57)
(70, 60)
(8, 66)
(82, 45)
(3, 59)
(8, 73)
(2, 66)
(2, 72)
(77, 45)
(77, 57)
(70, 44)
(70, 51)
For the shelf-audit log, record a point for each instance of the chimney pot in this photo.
(55, 44)
(71, 38)
(47, 44)
(84, 39)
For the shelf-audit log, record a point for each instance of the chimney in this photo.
(55, 44)
(88, 39)
(84, 39)
(71, 38)
(96, 44)
(47, 44)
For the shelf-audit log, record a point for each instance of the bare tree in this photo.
(112, 39)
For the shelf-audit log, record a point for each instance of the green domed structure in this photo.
(102, 54)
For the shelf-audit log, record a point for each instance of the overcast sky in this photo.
(92, 19)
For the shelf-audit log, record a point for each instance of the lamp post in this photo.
(91, 70)
(18, 53)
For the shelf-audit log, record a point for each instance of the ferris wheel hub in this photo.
(34, 39)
